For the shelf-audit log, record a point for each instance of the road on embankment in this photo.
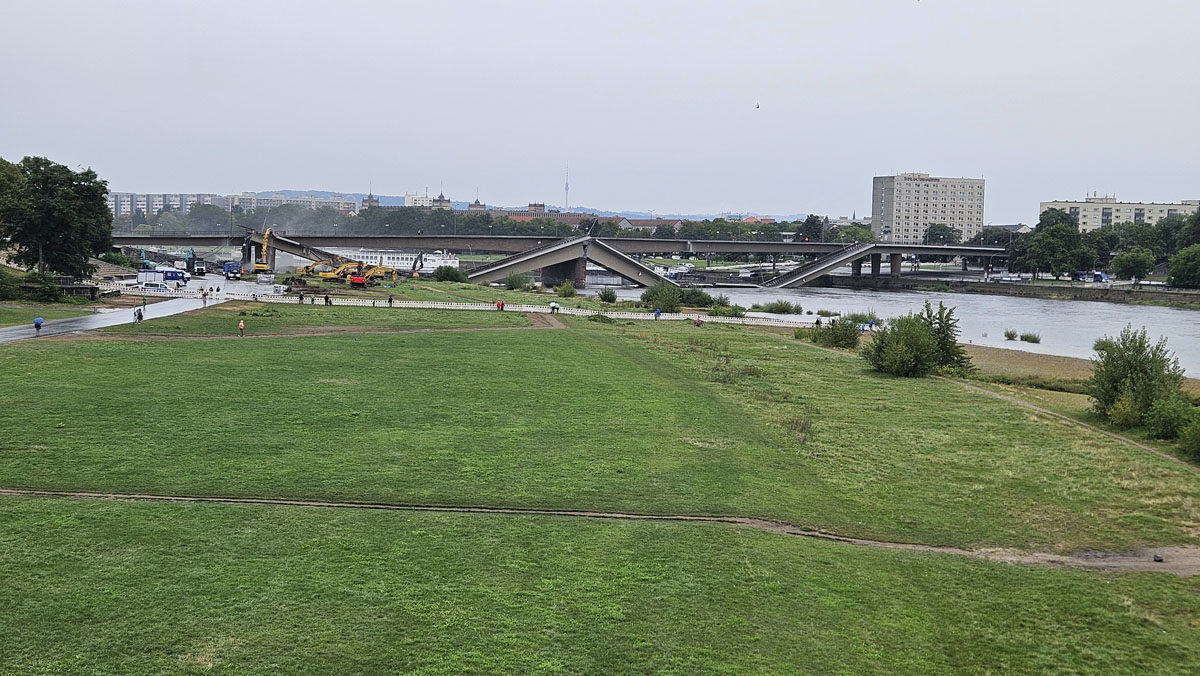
(102, 319)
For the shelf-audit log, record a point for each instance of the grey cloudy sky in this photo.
(652, 102)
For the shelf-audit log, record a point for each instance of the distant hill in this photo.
(398, 200)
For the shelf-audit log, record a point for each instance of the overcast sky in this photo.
(655, 104)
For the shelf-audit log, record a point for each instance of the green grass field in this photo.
(640, 417)
(156, 588)
(13, 314)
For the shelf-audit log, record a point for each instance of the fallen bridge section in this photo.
(567, 259)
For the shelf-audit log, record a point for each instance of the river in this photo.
(1067, 327)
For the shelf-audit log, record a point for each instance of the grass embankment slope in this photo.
(656, 418)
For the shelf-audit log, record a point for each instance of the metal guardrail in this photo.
(440, 305)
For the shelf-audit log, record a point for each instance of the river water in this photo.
(1067, 327)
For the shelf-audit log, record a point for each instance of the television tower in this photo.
(567, 188)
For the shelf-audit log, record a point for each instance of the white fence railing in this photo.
(445, 305)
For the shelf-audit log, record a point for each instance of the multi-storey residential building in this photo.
(126, 203)
(249, 200)
(905, 205)
(1095, 212)
(413, 200)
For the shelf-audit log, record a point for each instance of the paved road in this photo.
(111, 317)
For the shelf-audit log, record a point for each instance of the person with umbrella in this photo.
(37, 326)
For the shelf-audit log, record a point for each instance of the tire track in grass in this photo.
(1181, 561)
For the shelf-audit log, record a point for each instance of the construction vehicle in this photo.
(381, 272)
(195, 265)
(343, 270)
(330, 263)
(261, 264)
(233, 270)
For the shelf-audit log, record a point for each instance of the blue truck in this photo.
(233, 270)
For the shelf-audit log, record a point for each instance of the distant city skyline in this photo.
(663, 107)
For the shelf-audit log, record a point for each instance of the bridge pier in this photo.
(856, 267)
(574, 270)
(876, 262)
(247, 254)
(894, 260)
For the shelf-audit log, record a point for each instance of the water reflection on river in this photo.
(1067, 328)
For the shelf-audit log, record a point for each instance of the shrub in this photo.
(1124, 414)
(827, 313)
(695, 298)
(566, 289)
(720, 300)
(778, 307)
(1189, 440)
(47, 290)
(602, 319)
(944, 327)
(840, 334)
(863, 318)
(10, 289)
(663, 296)
(1167, 417)
(727, 311)
(1031, 337)
(1130, 365)
(516, 281)
(449, 273)
(118, 258)
(607, 295)
(906, 348)
(1010, 334)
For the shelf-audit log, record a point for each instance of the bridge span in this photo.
(614, 250)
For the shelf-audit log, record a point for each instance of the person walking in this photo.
(37, 326)
(204, 298)
(327, 299)
(301, 298)
(389, 300)
(143, 302)
(241, 328)
(657, 313)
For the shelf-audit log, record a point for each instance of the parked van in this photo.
(154, 286)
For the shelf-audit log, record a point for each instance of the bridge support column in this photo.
(270, 261)
(856, 267)
(247, 254)
(576, 271)
(895, 263)
(876, 261)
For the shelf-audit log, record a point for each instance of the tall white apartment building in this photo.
(125, 203)
(905, 205)
(249, 200)
(1094, 212)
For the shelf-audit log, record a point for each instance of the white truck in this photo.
(167, 276)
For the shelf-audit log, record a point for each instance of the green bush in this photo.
(566, 289)
(906, 348)
(118, 258)
(1031, 337)
(778, 307)
(449, 273)
(1124, 413)
(1167, 417)
(516, 281)
(720, 300)
(727, 311)
(944, 327)
(1010, 334)
(1184, 268)
(839, 333)
(1189, 440)
(1130, 365)
(827, 313)
(10, 288)
(663, 296)
(47, 290)
(695, 298)
(863, 318)
(607, 295)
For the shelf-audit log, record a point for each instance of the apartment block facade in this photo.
(126, 203)
(1096, 212)
(905, 205)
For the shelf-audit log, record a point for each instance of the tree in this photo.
(1134, 264)
(663, 296)
(940, 233)
(1184, 268)
(944, 327)
(1056, 246)
(55, 218)
(811, 229)
(1129, 375)
(906, 348)
(855, 232)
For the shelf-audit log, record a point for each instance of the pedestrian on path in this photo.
(389, 300)
(657, 313)
(136, 313)
(143, 302)
(327, 300)
(553, 307)
(204, 298)
(302, 298)
(241, 328)
(37, 326)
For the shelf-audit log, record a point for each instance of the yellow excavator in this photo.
(261, 264)
(381, 272)
(343, 270)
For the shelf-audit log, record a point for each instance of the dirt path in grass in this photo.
(1181, 561)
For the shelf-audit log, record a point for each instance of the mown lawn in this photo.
(113, 587)
(14, 314)
(278, 318)
(640, 417)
